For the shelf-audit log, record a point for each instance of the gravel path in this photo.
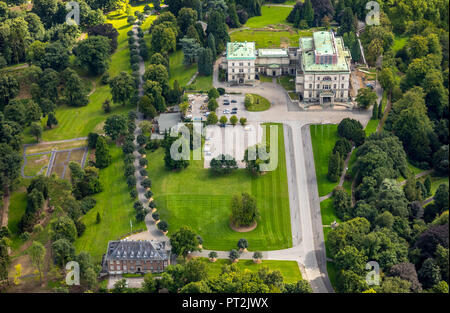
(152, 232)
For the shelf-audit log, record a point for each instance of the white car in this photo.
(226, 111)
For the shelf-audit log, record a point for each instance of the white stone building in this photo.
(321, 66)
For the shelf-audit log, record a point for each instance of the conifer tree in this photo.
(102, 156)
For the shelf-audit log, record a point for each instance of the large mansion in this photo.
(321, 66)
(136, 257)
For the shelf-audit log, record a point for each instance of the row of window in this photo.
(133, 262)
(241, 64)
(113, 268)
(310, 94)
(325, 86)
(327, 78)
(241, 70)
(248, 77)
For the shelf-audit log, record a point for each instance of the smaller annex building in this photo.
(123, 256)
(240, 62)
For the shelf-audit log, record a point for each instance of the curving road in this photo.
(306, 220)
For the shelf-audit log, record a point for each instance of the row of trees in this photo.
(193, 277)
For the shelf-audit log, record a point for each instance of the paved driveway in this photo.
(306, 220)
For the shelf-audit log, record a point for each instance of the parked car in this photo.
(233, 101)
(226, 111)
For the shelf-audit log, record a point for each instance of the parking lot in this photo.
(230, 140)
(229, 102)
(199, 106)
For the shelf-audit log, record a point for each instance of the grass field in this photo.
(259, 104)
(178, 71)
(332, 273)
(266, 79)
(294, 95)
(287, 82)
(115, 207)
(196, 198)
(270, 16)
(267, 39)
(79, 121)
(436, 182)
(17, 206)
(289, 269)
(203, 83)
(328, 212)
(371, 127)
(323, 138)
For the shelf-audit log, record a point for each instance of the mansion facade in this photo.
(320, 66)
(123, 256)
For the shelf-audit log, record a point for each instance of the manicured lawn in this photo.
(332, 273)
(288, 82)
(328, 212)
(289, 269)
(79, 121)
(178, 71)
(17, 206)
(270, 15)
(294, 95)
(371, 127)
(265, 79)
(203, 83)
(384, 100)
(267, 39)
(196, 198)
(436, 182)
(259, 104)
(115, 207)
(323, 138)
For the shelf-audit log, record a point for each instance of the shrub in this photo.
(221, 91)
(143, 162)
(135, 67)
(146, 183)
(244, 211)
(133, 193)
(248, 102)
(149, 194)
(131, 181)
(213, 93)
(129, 159)
(163, 226)
(234, 255)
(143, 172)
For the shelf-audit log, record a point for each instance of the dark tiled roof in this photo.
(136, 250)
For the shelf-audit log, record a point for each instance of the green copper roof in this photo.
(308, 58)
(241, 50)
(323, 43)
